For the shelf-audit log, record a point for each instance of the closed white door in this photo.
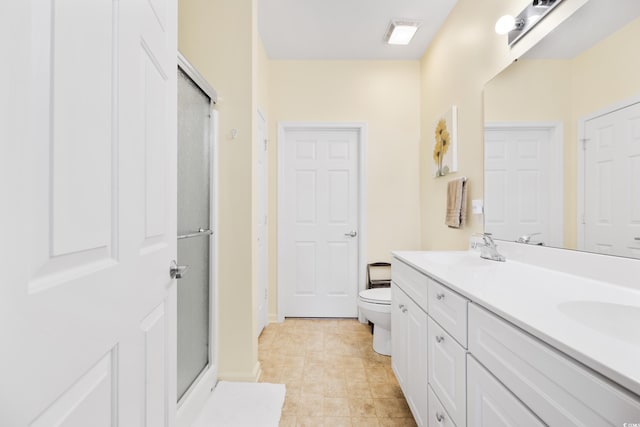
(261, 223)
(87, 309)
(517, 185)
(612, 183)
(319, 216)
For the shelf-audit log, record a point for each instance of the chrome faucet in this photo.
(489, 250)
(526, 238)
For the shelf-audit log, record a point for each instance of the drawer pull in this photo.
(439, 338)
(440, 296)
(404, 310)
(439, 417)
(400, 306)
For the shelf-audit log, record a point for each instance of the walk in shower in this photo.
(196, 299)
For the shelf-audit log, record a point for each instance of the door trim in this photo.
(262, 117)
(556, 152)
(359, 127)
(582, 121)
(192, 402)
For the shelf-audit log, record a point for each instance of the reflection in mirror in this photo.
(562, 136)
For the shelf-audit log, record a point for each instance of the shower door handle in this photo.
(177, 271)
(198, 233)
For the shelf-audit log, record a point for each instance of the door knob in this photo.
(352, 233)
(176, 271)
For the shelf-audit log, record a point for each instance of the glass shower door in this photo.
(194, 234)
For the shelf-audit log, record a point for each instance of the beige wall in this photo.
(579, 86)
(383, 94)
(465, 54)
(607, 73)
(220, 39)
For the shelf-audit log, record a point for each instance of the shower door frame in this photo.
(193, 400)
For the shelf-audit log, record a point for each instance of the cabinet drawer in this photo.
(411, 281)
(556, 388)
(490, 404)
(449, 309)
(447, 369)
(438, 416)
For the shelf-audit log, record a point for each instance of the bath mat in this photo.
(236, 404)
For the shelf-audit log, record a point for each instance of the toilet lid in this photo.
(376, 295)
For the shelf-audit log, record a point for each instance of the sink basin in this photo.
(614, 320)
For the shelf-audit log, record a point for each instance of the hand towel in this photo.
(456, 203)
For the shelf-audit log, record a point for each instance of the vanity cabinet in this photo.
(423, 352)
(490, 404)
(409, 363)
(460, 364)
(559, 390)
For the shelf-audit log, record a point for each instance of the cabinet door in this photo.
(417, 362)
(490, 404)
(399, 335)
(447, 372)
(556, 388)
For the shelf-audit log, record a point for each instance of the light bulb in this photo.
(505, 24)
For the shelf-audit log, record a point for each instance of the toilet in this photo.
(375, 305)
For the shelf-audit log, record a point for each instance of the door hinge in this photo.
(266, 141)
(583, 219)
(266, 294)
(584, 143)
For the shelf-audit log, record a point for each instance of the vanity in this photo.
(485, 343)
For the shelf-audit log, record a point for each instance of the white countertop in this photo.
(595, 322)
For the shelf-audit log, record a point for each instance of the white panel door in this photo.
(517, 184)
(612, 183)
(87, 309)
(320, 216)
(261, 223)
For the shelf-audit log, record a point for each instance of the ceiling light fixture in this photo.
(401, 32)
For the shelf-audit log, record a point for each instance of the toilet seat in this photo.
(380, 296)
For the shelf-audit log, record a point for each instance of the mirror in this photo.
(562, 136)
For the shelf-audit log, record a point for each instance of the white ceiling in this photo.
(345, 29)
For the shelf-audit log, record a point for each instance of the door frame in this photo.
(556, 154)
(192, 402)
(361, 129)
(580, 147)
(261, 117)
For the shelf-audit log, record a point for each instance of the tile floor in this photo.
(333, 376)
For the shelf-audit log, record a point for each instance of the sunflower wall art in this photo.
(445, 144)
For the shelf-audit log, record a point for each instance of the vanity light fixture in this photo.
(508, 23)
(401, 32)
(518, 26)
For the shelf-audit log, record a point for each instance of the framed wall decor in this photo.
(445, 143)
